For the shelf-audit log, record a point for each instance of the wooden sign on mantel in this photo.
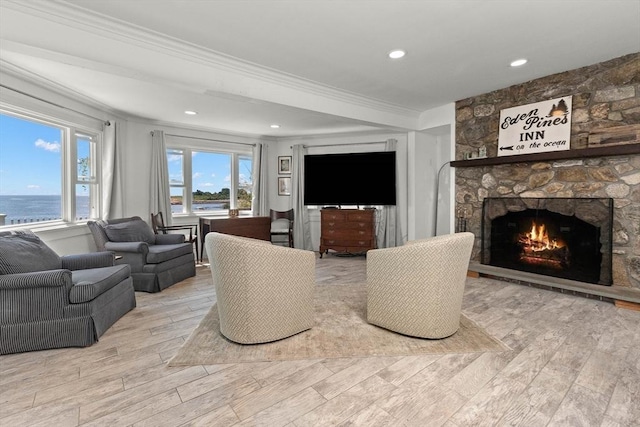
(619, 135)
(535, 128)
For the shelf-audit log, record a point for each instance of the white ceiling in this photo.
(314, 66)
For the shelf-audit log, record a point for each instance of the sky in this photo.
(210, 171)
(30, 158)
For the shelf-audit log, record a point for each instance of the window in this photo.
(245, 183)
(203, 181)
(48, 171)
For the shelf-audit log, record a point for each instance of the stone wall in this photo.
(604, 95)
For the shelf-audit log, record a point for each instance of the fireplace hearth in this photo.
(569, 238)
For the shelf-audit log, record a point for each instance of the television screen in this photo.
(350, 179)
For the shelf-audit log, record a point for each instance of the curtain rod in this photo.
(106, 123)
(208, 139)
(342, 145)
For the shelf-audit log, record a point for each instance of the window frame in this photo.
(187, 150)
(70, 133)
(95, 171)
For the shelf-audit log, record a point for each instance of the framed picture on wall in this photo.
(284, 165)
(284, 186)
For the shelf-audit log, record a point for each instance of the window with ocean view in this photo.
(204, 181)
(48, 171)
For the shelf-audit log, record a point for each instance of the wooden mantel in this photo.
(603, 151)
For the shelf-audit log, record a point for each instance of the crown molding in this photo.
(45, 84)
(81, 19)
(364, 133)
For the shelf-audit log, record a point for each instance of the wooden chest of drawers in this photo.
(347, 230)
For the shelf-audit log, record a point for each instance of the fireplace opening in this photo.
(567, 238)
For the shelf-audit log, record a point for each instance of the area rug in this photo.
(340, 330)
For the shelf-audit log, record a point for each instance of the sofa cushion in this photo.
(130, 231)
(24, 252)
(89, 283)
(162, 253)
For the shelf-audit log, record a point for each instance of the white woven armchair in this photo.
(417, 289)
(264, 292)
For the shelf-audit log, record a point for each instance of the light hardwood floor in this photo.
(574, 362)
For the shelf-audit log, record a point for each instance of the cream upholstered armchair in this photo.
(264, 292)
(417, 289)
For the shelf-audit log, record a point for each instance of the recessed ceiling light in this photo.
(190, 112)
(397, 54)
(274, 126)
(518, 62)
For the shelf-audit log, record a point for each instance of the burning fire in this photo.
(538, 239)
(540, 249)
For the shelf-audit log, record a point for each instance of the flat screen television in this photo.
(350, 179)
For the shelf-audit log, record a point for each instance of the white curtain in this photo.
(159, 198)
(301, 225)
(389, 232)
(259, 194)
(112, 180)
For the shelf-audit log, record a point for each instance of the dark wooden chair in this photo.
(157, 223)
(279, 226)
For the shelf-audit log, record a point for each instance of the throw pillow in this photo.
(130, 231)
(24, 252)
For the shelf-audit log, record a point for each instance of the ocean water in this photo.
(201, 207)
(21, 209)
(26, 209)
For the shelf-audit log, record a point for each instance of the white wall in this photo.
(428, 151)
(437, 127)
(421, 185)
(445, 184)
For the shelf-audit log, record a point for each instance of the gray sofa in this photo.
(49, 301)
(157, 261)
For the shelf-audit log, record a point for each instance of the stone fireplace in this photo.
(561, 237)
(605, 96)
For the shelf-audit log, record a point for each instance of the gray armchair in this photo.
(52, 302)
(157, 261)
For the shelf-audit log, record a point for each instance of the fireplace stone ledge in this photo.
(616, 293)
